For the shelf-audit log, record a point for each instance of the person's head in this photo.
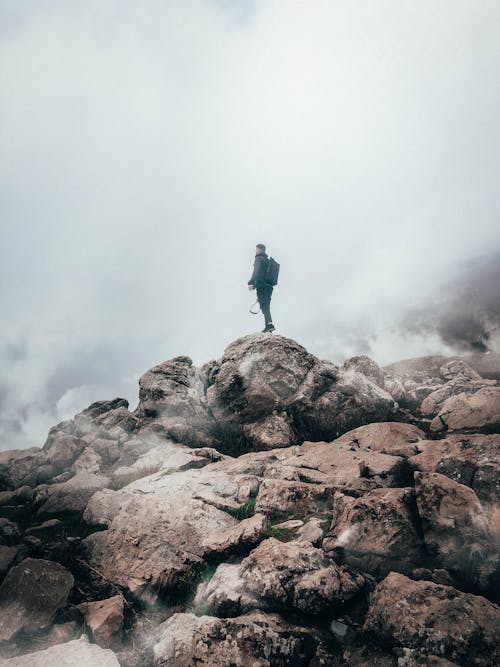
(260, 248)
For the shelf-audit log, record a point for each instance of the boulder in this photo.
(461, 384)
(457, 532)
(70, 496)
(278, 575)
(157, 525)
(458, 368)
(77, 652)
(281, 498)
(20, 467)
(473, 460)
(172, 401)
(394, 438)
(253, 640)
(312, 531)
(62, 449)
(30, 595)
(104, 618)
(437, 620)
(20, 496)
(266, 385)
(476, 412)
(108, 419)
(238, 539)
(365, 365)
(376, 533)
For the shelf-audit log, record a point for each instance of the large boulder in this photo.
(457, 531)
(438, 620)
(271, 384)
(253, 640)
(172, 402)
(157, 524)
(30, 595)
(377, 532)
(21, 467)
(473, 460)
(76, 652)
(281, 575)
(469, 413)
(70, 496)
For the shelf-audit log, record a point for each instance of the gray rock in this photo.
(30, 595)
(77, 652)
(438, 620)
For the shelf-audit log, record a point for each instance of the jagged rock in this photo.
(110, 419)
(394, 438)
(376, 533)
(279, 575)
(104, 618)
(237, 539)
(172, 401)
(253, 640)
(363, 364)
(479, 411)
(456, 529)
(157, 525)
(20, 496)
(76, 652)
(437, 620)
(473, 460)
(70, 496)
(19, 467)
(7, 557)
(30, 595)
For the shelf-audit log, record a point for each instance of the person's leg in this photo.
(264, 297)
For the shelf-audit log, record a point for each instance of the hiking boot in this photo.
(269, 328)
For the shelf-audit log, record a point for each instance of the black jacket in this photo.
(259, 270)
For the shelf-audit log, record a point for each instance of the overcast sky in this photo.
(146, 147)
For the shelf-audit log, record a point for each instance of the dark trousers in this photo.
(264, 293)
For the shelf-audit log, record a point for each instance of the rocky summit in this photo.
(266, 509)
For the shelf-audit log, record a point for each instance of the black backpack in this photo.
(273, 269)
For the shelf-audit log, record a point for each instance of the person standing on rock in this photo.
(259, 282)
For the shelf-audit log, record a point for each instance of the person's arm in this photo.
(256, 269)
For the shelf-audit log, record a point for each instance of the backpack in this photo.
(273, 269)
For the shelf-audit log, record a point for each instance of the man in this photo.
(264, 289)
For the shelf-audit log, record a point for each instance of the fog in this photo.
(147, 147)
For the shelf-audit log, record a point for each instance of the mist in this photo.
(147, 147)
